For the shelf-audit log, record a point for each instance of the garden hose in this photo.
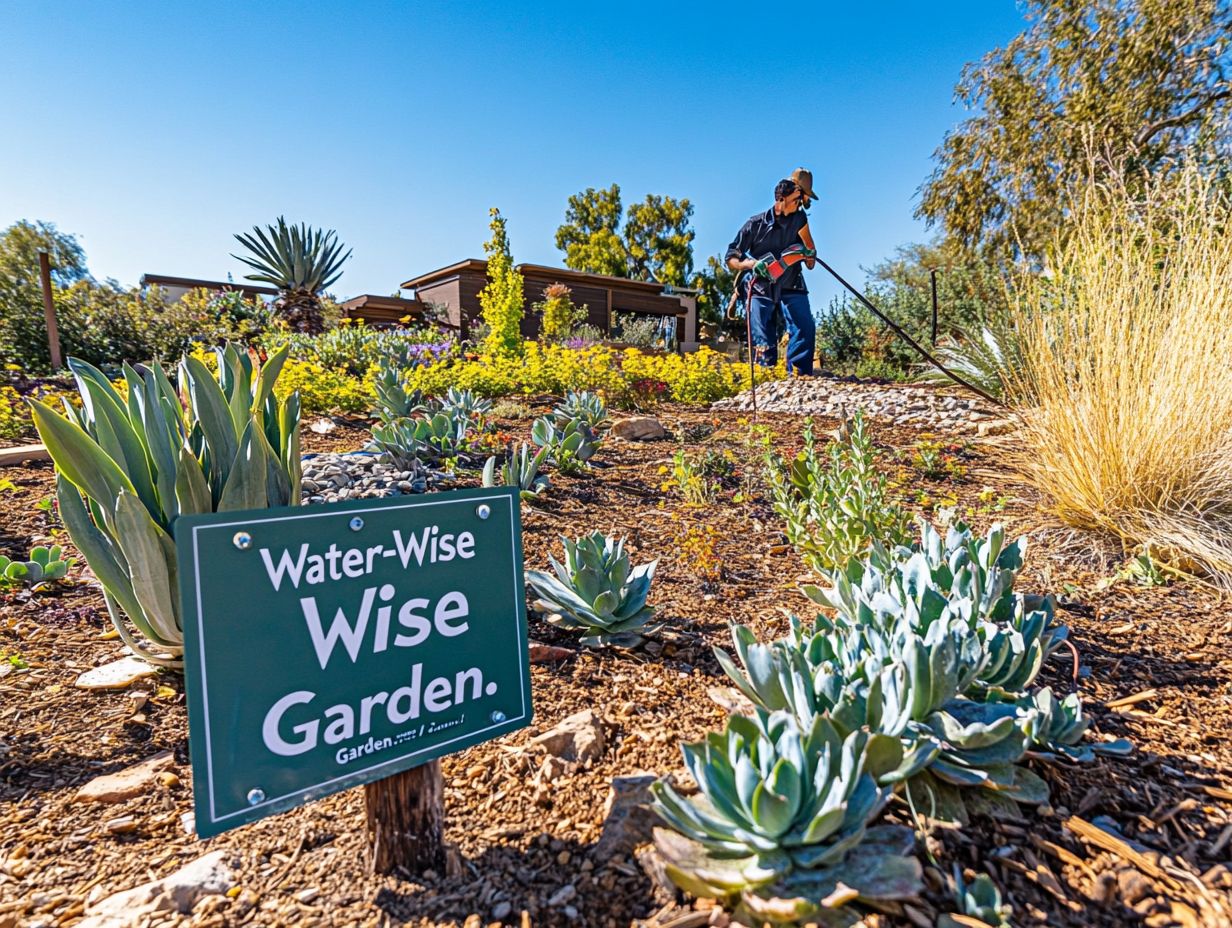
(894, 327)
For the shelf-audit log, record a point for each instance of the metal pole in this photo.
(49, 310)
(932, 273)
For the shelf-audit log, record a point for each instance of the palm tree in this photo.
(301, 262)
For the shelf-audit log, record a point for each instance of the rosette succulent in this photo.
(778, 811)
(43, 568)
(569, 445)
(597, 592)
(584, 405)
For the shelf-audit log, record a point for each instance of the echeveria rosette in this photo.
(597, 591)
(1056, 727)
(778, 811)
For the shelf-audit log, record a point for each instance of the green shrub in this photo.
(558, 315)
(502, 298)
(835, 506)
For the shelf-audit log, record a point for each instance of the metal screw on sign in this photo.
(483, 510)
(356, 524)
(242, 540)
(498, 716)
(256, 797)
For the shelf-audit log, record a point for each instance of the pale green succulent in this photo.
(42, 569)
(1057, 726)
(521, 470)
(394, 399)
(403, 441)
(597, 592)
(980, 899)
(142, 460)
(778, 810)
(584, 405)
(461, 404)
(569, 445)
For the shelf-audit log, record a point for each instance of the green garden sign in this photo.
(330, 646)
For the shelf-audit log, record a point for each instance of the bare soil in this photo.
(520, 840)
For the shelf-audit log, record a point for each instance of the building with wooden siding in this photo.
(384, 310)
(457, 287)
(176, 287)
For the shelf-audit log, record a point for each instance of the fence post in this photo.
(49, 310)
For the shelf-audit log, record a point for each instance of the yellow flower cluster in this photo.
(323, 389)
(14, 421)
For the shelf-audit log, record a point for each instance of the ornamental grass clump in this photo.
(779, 828)
(1125, 383)
(128, 466)
(597, 591)
(835, 505)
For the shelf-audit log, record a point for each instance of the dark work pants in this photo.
(767, 317)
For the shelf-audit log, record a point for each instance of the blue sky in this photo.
(154, 131)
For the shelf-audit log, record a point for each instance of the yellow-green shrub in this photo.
(13, 420)
(324, 389)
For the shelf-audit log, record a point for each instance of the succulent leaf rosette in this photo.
(778, 810)
(597, 591)
(521, 470)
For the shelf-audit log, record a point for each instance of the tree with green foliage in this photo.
(502, 299)
(714, 286)
(590, 236)
(656, 242)
(1133, 84)
(23, 328)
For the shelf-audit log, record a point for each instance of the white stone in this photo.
(117, 675)
(180, 891)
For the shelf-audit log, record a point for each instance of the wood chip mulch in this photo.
(1156, 667)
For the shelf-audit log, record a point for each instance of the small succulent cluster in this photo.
(570, 443)
(597, 591)
(521, 470)
(586, 406)
(928, 664)
(40, 570)
(413, 429)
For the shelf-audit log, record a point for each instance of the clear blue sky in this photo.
(156, 130)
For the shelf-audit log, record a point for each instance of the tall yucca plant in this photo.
(129, 466)
(301, 262)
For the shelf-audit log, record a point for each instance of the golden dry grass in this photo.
(1126, 386)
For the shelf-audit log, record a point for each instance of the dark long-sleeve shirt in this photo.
(768, 234)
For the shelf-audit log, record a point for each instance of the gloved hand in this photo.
(761, 270)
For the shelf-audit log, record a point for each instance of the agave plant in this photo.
(595, 591)
(520, 470)
(584, 405)
(569, 446)
(394, 400)
(301, 262)
(42, 568)
(779, 810)
(142, 460)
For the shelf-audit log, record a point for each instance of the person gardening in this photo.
(773, 245)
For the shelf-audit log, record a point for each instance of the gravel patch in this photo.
(912, 405)
(332, 476)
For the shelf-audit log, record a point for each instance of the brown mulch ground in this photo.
(522, 841)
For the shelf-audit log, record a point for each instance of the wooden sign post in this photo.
(328, 647)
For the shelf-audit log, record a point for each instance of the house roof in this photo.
(374, 301)
(192, 283)
(562, 274)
